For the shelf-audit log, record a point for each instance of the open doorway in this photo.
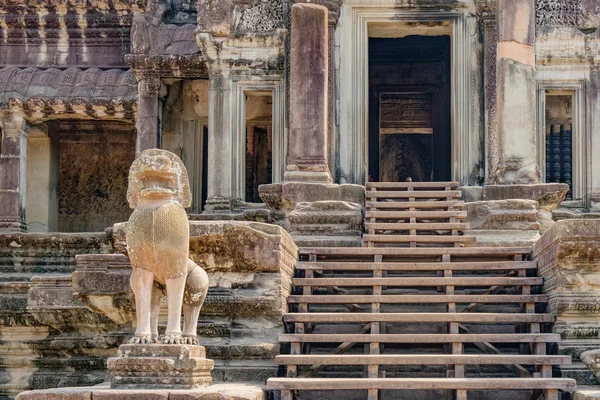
(409, 109)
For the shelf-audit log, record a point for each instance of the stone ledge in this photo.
(237, 391)
(586, 393)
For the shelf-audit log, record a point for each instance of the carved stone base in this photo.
(224, 391)
(160, 366)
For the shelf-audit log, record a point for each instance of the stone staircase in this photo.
(413, 314)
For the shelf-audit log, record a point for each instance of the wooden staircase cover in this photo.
(414, 295)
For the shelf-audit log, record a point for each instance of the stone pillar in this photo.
(490, 40)
(220, 143)
(147, 118)
(516, 93)
(13, 162)
(307, 160)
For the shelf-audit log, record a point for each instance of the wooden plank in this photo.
(417, 194)
(417, 317)
(429, 215)
(391, 251)
(415, 185)
(419, 383)
(426, 226)
(441, 204)
(419, 281)
(381, 238)
(417, 266)
(422, 338)
(417, 299)
(422, 359)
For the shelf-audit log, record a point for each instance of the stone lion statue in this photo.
(157, 236)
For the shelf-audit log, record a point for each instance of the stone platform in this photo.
(225, 391)
(160, 366)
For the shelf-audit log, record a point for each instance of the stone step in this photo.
(417, 266)
(415, 252)
(424, 226)
(417, 205)
(416, 299)
(419, 281)
(428, 215)
(416, 194)
(422, 359)
(421, 338)
(406, 185)
(417, 317)
(419, 383)
(433, 239)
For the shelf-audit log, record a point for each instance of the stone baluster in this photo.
(548, 153)
(147, 118)
(307, 160)
(13, 163)
(555, 139)
(567, 165)
(516, 92)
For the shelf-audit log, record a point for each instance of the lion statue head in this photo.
(158, 174)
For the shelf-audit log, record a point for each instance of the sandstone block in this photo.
(159, 366)
(548, 195)
(503, 214)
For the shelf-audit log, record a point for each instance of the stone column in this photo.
(307, 160)
(516, 93)
(490, 40)
(13, 162)
(147, 118)
(220, 143)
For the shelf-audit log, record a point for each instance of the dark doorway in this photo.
(409, 109)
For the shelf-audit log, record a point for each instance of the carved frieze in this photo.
(262, 17)
(558, 12)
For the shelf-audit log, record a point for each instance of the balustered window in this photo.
(559, 138)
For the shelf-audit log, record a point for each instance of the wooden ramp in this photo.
(412, 300)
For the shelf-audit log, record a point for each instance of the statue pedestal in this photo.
(160, 366)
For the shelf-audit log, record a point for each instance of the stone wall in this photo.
(568, 256)
(46, 340)
(94, 158)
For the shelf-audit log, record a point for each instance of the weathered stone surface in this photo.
(51, 301)
(548, 195)
(586, 393)
(503, 214)
(308, 94)
(591, 359)
(223, 391)
(471, 193)
(503, 222)
(568, 258)
(160, 366)
(285, 196)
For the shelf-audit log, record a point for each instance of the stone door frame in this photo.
(242, 85)
(352, 41)
(581, 140)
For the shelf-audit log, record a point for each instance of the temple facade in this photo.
(282, 111)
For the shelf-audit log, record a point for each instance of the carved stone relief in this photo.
(558, 12)
(262, 16)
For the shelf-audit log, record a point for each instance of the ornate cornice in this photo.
(42, 94)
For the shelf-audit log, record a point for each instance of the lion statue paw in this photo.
(173, 339)
(190, 339)
(142, 340)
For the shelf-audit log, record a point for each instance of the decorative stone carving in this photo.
(558, 12)
(262, 16)
(158, 244)
(591, 359)
(568, 257)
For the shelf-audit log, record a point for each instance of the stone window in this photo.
(561, 138)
